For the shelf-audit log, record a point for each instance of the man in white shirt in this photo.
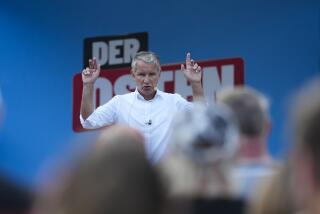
(147, 109)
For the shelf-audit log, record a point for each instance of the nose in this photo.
(146, 79)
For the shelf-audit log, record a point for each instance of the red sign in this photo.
(216, 74)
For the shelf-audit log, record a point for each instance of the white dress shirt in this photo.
(152, 117)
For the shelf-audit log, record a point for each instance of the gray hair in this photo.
(147, 57)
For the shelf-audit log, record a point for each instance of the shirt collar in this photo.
(159, 94)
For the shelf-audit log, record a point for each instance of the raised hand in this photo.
(91, 73)
(192, 71)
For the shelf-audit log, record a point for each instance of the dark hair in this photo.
(14, 197)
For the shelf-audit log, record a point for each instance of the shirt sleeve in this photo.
(104, 115)
(182, 104)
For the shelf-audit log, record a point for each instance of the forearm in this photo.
(87, 100)
(197, 91)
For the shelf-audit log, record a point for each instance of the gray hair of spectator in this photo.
(250, 107)
(147, 57)
(305, 122)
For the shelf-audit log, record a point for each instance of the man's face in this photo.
(146, 77)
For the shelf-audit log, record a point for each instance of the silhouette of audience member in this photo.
(14, 197)
(275, 195)
(199, 160)
(305, 159)
(254, 163)
(115, 177)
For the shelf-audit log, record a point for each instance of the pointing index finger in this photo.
(90, 64)
(94, 62)
(188, 61)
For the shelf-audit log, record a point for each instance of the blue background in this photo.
(41, 48)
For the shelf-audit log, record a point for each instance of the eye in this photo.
(152, 74)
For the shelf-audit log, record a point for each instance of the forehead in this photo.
(141, 66)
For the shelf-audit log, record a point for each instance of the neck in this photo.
(253, 149)
(149, 96)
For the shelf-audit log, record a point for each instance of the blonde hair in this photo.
(250, 107)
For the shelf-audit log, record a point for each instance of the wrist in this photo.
(196, 84)
(88, 84)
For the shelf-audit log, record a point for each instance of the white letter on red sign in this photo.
(212, 83)
(105, 88)
(124, 84)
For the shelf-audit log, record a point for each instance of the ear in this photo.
(132, 73)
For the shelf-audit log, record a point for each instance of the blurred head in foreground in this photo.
(114, 177)
(203, 144)
(305, 161)
(274, 195)
(251, 108)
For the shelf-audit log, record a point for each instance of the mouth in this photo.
(147, 88)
